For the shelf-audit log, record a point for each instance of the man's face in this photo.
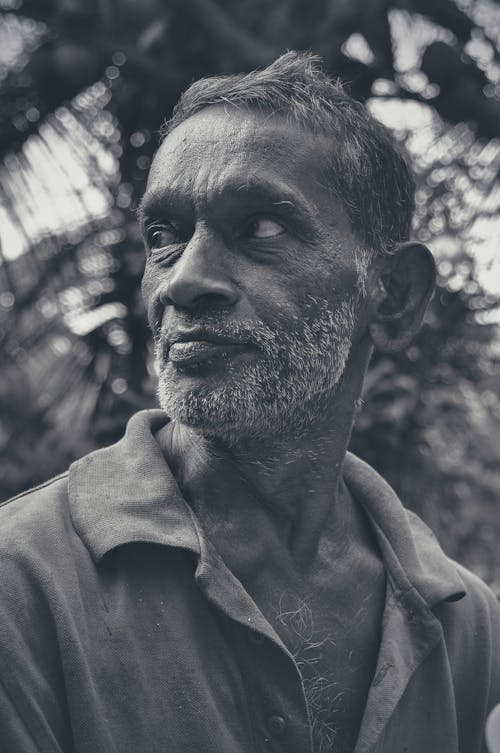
(251, 278)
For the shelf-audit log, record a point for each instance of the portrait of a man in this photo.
(228, 577)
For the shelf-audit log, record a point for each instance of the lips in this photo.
(195, 347)
(197, 351)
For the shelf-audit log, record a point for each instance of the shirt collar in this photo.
(127, 493)
(411, 553)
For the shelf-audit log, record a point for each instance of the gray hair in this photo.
(367, 171)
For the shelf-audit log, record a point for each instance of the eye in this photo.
(160, 236)
(263, 227)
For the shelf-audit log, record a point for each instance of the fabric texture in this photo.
(122, 630)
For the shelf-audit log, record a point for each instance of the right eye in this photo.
(160, 236)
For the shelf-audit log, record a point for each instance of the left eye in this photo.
(264, 227)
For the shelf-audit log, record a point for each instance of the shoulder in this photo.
(478, 590)
(37, 539)
(470, 622)
(476, 606)
(412, 554)
(33, 547)
(476, 597)
(471, 631)
(34, 513)
(477, 614)
(37, 580)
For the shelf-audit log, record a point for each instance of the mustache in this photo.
(270, 339)
(252, 332)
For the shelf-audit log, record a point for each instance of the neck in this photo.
(293, 481)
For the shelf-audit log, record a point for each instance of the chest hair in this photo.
(331, 671)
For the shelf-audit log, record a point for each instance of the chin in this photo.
(211, 411)
(242, 413)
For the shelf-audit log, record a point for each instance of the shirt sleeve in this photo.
(15, 732)
(494, 609)
(484, 661)
(33, 707)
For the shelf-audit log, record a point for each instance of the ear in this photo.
(405, 286)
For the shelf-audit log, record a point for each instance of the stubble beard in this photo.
(288, 389)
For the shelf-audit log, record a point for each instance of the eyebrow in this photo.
(275, 193)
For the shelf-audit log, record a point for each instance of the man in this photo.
(226, 579)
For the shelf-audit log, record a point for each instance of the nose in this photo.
(200, 277)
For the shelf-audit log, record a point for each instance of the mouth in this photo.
(200, 351)
(193, 349)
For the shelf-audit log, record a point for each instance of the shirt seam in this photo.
(36, 488)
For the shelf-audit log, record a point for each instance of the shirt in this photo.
(122, 630)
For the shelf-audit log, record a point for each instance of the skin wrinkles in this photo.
(258, 193)
(274, 296)
(258, 436)
(240, 145)
(258, 188)
(179, 180)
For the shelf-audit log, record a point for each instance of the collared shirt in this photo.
(122, 630)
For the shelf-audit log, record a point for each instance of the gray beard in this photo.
(287, 389)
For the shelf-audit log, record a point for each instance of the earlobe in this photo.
(406, 283)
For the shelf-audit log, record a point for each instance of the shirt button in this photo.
(276, 725)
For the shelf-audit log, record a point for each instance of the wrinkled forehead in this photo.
(229, 141)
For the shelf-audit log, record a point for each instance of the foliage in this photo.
(85, 87)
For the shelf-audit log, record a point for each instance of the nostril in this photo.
(211, 300)
(169, 296)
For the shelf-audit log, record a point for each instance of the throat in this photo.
(281, 493)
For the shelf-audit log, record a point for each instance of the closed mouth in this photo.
(194, 351)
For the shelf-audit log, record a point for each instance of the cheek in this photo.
(272, 295)
(331, 277)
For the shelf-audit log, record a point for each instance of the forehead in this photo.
(223, 148)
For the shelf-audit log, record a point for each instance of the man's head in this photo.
(272, 207)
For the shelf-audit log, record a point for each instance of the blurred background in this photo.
(85, 85)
